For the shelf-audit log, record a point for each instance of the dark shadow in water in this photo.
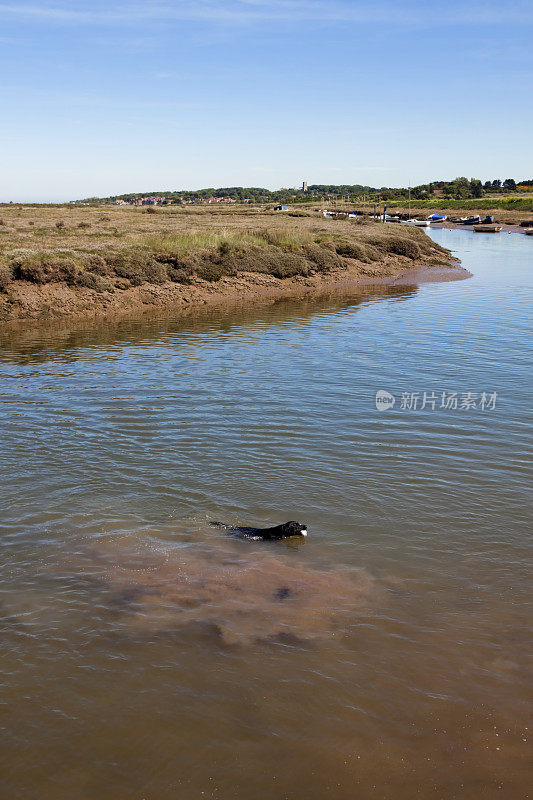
(35, 342)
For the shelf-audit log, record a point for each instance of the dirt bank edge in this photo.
(26, 301)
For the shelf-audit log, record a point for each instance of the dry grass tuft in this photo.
(6, 276)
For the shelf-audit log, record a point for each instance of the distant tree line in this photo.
(457, 189)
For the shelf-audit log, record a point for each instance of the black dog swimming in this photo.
(284, 531)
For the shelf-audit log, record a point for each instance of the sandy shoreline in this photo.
(60, 302)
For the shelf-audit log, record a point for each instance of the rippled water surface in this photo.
(146, 655)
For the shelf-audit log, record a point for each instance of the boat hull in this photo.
(416, 223)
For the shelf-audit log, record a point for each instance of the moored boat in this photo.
(437, 218)
(419, 223)
(487, 228)
(474, 219)
(529, 231)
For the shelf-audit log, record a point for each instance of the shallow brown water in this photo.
(147, 655)
(244, 597)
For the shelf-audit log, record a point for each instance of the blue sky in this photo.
(101, 98)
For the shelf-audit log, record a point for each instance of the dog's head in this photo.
(293, 529)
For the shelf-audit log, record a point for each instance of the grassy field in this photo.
(114, 248)
(507, 209)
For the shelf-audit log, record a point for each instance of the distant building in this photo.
(304, 186)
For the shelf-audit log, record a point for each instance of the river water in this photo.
(146, 655)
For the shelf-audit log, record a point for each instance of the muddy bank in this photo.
(506, 227)
(27, 301)
(512, 219)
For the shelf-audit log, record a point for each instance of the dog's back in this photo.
(284, 531)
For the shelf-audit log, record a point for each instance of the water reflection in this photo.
(61, 338)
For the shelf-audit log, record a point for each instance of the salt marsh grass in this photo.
(125, 247)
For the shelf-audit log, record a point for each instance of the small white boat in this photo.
(418, 223)
(529, 231)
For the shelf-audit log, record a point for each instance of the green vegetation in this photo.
(458, 189)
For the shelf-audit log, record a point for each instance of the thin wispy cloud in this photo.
(249, 11)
